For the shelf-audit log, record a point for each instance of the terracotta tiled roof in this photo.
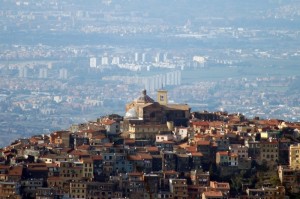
(97, 157)
(108, 145)
(233, 155)
(170, 172)
(191, 149)
(213, 193)
(4, 167)
(108, 122)
(34, 140)
(134, 157)
(223, 153)
(15, 171)
(197, 154)
(98, 137)
(219, 185)
(83, 147)
(87, 160)
(270, 122)
(135, 174)
(145, 156)
(152, 149)
(129, 141)
(200, 123)
(202, 142)
(216, 124)
(202, 137)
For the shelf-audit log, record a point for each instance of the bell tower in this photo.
(162, 97)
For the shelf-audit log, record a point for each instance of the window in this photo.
(161, 98)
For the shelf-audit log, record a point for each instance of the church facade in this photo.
(145, 118)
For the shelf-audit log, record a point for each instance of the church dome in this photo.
(144, 98)
(131, 113)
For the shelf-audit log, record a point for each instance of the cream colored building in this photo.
(88, 168)
(145, 118)
(294, 157)
(178, 187)
(269, 152)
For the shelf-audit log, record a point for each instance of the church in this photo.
(145, 118)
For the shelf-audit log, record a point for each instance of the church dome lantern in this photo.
(144, 98)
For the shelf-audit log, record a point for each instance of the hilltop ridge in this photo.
(208, 156)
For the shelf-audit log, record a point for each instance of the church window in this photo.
(161, 98)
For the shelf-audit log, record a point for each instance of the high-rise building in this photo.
(104, 60)
(63, 73)
(23, 72)
(93, 62)
(165, 58)
(43, 73)
(136, 57)
(144, 57)
(175, 77)
(157, 58)
(115, 61)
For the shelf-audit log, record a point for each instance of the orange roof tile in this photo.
(170, 172)
(129, 141)
(202, 142)
(223, 153)
(213, 193)
(108, 145)
(97, 157)
(191, 149)
(135, 174)
(98, 136)
(108, 122)
(4, 167)
(134, 157)
(145, 156)
(152, 148)
(15, 171)
(216, 124)
(197, 154)
(87, 160)
(83, 147)
(218, 185)
(200, 123)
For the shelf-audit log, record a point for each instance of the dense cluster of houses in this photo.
(200, 160)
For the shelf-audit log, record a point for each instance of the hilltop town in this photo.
(157, 150)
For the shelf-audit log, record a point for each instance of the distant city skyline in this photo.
(71, 61)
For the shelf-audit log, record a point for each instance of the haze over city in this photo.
(164, 99)
(66, 62)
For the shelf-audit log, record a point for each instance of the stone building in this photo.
(145, 118)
